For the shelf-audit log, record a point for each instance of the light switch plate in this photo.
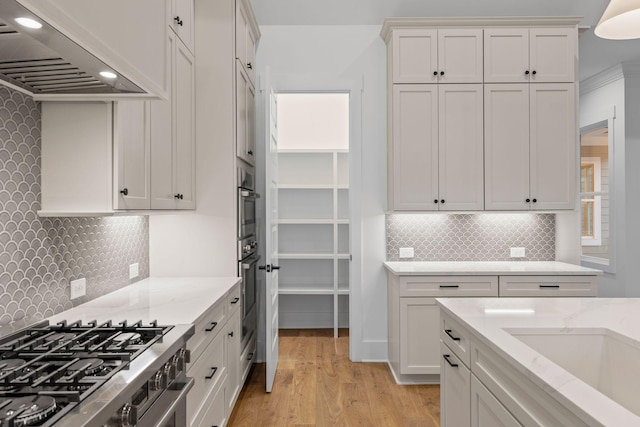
(78, 288)
(134, 270)
(517, 253)
(406, 252)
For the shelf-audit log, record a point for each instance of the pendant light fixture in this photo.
(620, 21)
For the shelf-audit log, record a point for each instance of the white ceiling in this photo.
(595, 54)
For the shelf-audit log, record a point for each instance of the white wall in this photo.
(597, 101)
(355, 53)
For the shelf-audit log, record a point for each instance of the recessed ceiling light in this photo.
(29, 23)
(108, 74)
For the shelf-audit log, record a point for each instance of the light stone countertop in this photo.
(619, 315)
(170, 301)
(487, 268)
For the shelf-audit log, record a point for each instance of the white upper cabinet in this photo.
(536, 55)
(132, 154)
(530, 146)
(437, 147)
(437, 56)
(245, 117)
(246, 36)
(181, 21)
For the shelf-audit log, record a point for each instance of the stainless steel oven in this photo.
(247, 199)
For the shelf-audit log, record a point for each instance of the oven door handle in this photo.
(248, 265)
(248, 194)
(180, 395)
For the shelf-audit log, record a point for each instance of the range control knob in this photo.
(127, 416)
(158, 382)
(169, 371)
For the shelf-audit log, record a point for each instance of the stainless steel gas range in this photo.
(94, 374)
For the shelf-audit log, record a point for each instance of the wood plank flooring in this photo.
(317, 385)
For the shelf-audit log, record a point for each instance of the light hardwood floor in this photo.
(317, 385)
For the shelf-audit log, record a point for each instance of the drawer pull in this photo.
(235, 300)
(447, 358)
(211, 374)
(448, 332)
(250, 356)
(449, 286)
(549, 286)
(211, 327)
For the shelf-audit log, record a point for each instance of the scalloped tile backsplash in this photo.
(471, 237)
(40, 256)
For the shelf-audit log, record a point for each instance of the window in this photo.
(595, 177)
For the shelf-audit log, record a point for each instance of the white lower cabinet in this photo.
(233, 336)
(216, 415)
(207, 372)
(486, 410)
(455, 391)
(418, 355)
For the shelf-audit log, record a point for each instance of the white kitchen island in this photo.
(540, 362)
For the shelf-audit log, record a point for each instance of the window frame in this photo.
(596, 240)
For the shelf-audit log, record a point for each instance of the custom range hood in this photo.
(43, 61)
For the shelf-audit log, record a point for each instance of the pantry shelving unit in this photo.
(313, 218)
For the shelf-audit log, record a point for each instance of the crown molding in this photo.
(391, 24)
(601, 79)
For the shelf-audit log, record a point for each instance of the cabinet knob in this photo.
(526, 72)
(178, 20)
(435, 200)
(231, 334)
(534, 200)
(527, 200)
(435, 73)
(442, 73)
(442, 201)
(250, 152)
(249, 66)
(124, 191)
(534, 72)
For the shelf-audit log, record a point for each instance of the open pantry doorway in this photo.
(315, 227)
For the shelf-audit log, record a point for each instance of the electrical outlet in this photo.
(78, 288)
(134, 270)
(517, 253)
(406, 252)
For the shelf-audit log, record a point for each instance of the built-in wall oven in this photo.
(247, 250)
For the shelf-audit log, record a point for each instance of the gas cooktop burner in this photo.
(26, 411)
(90, 366)
(61, 337)
(128, 337)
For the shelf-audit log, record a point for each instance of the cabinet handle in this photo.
(231, 334)
(211, 327)
(528, 200)
(449, 286)
(534, 200)
(442, 73)
(179, 196)
(448, 332)
(211, 374)
(447, 358)
(442, 201)
(534, 72)
(235, 300)
(549, 286)
(125, 191)
(250, 356)
(526, 72)
(435, 201)
(249, 66)
(178, 20)
(250, 152)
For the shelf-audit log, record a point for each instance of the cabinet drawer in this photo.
(206, 330)
(455, 380)
(448, 286)
(548, 286)
(456, 338)
(214, 415)
(246, 359)
(234, 299)
(206, 372)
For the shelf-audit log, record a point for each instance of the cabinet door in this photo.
(245, 40)
(460, 147)
(553, 146)
(455, 390)
(506, 55)
(419, 336)
(486, 410)
(216, 414)
(233, 337)
(415, 56)
(162, 137)
(415, 147)
(506, 146)
(182, 18)
(132, 155)
(245, 110)
(553, 54)
(184, 122)
(460, 56)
